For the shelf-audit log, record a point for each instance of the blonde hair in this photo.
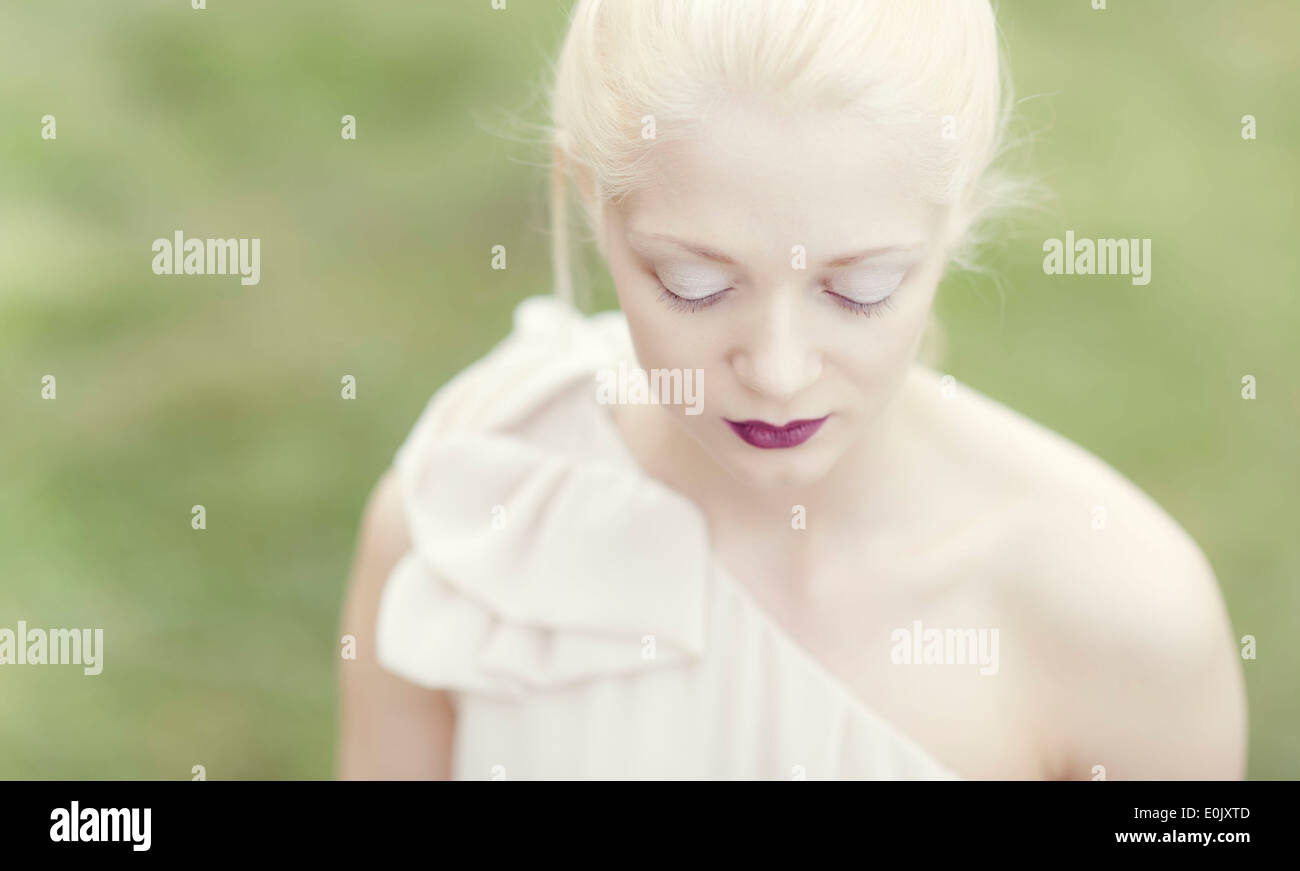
(926, 71)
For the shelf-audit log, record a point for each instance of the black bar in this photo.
(268, 819)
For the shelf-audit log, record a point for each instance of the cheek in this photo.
(661, 337)
(638, 302)
(658, 337)
(876, 353)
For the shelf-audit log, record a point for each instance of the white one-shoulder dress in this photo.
(571, 606)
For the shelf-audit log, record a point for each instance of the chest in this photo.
(924, 645)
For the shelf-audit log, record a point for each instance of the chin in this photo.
(778, 469)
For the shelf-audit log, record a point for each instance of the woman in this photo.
(828, 561)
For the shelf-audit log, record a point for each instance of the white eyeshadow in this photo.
(701, 281)
(868, 288)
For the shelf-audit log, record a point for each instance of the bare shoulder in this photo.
(383, 538)
(388, 727)
(1116, 611)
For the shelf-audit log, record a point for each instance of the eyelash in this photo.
(864, 308)
(681, 303)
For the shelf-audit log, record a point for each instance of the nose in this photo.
(776, 358)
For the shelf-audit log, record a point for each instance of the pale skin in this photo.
(1116, 659)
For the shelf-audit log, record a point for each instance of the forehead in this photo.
(750, 177)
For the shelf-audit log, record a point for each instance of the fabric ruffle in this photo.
(538, 559)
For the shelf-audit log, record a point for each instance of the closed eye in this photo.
(677, 302)
(862, 308)
(881, 291)
(866, 295)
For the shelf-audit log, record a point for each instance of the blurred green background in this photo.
(221, 645)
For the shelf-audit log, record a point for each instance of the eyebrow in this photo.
(833, 263)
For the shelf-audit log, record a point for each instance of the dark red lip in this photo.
(765, 435)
